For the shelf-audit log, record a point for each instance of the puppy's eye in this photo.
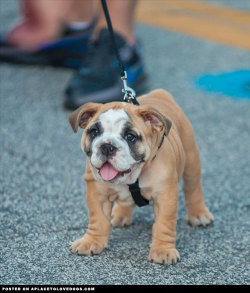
(93, 132)
(130, 137)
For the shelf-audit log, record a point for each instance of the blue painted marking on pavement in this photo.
(234, 84)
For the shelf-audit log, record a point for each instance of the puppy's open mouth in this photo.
(108, 172)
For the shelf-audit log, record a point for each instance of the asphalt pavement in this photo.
(42, 205)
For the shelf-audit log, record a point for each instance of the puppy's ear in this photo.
(157, 121)
(82, 115)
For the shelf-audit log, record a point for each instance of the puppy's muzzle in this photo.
(108, 149)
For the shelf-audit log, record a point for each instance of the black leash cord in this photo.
(130, 98)
(110, 28)
(130, 94)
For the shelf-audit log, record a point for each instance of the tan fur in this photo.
(178, 157)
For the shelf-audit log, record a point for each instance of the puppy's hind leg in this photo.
(197, 212)
(121, 215)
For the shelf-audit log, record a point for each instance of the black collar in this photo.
(135, 190)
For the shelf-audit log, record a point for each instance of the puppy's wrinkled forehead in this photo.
(113, 120)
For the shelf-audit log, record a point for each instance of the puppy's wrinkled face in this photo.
(115, 147)
(119, 138)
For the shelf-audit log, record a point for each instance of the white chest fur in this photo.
(124, 197)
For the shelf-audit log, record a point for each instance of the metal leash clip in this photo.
(129, 93)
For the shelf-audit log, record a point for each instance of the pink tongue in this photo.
(108, 172)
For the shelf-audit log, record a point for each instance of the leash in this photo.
(129, 97)
(129, 93)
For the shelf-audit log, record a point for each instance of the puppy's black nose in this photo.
(108, 149)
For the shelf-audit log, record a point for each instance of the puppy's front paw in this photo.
(89, 245)
(162, 255)
(118, 221)
(121, 216)
(201, 219)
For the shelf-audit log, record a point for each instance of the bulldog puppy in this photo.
(124, 142)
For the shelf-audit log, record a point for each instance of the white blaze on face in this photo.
(113, 121)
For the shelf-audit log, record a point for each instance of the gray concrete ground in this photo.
(42, 206)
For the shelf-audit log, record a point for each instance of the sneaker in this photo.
(68, 51)
(98, 79)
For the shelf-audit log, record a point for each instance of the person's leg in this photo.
(41, 24)
(98, 79)
(122, 14)
(43, 20)
(81, 11)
